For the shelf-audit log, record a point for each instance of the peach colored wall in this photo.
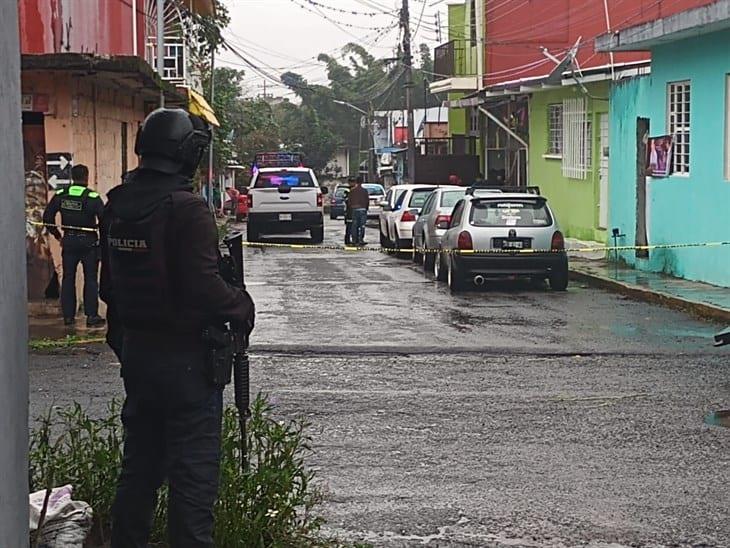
(85, 118)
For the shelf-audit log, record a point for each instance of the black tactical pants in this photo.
(80, 249)
(172, 425)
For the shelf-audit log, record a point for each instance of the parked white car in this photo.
(399, 212)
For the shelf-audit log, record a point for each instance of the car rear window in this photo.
(374, 190)
(340, 192)
(510, 213)
(450, 197)
(274, 179)
(419, 197)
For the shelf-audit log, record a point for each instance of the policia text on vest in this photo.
(79, 207)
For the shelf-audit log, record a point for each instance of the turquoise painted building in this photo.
(687, 95)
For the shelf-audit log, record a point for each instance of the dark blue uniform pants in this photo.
(172, 426)
(79, 249)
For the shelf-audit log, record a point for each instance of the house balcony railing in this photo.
(455, 67)
(451, 59)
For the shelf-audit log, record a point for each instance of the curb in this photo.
(700, 310)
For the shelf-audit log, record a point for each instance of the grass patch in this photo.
(69, 341)
(273, 504)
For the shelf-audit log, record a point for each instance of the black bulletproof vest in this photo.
(75, 210)
(139, 267)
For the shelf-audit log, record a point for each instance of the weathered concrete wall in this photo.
(104, 27)
(13, 305)
(85, 119)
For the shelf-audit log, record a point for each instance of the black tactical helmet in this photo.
(172, 141)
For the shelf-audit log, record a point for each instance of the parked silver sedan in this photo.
(504, 234)
(433, 222)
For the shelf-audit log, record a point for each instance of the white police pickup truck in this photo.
(285, 200)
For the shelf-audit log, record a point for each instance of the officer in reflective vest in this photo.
(161, 281)
(80, 209)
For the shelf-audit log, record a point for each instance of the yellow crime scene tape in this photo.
(380, 249)
(77, 228)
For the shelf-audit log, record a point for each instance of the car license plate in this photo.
(285, 216)
(513, 244)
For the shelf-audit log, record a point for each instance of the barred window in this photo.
(577, 139)
(678, 121)
(555, 129)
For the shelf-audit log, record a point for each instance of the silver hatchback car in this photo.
(432, 223)
(503, 234)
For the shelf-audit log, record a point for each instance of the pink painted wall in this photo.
(102, 27)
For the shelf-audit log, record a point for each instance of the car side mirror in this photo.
(386, 206)
(324, 190)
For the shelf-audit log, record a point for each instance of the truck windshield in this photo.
(510, 213)
(275, 179)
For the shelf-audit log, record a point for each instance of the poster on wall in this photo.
(659, 156)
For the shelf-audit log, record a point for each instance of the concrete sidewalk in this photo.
(699, 299)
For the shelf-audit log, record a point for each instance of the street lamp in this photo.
(371, 137)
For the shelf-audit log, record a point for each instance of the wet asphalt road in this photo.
(508, 416)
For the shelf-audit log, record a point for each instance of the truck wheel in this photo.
(252, 233)
(559, 279)
(317, 234)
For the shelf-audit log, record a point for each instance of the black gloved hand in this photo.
(249, 323)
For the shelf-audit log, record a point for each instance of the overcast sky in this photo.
(282, 35)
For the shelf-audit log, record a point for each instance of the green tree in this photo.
(302, 130)
(228, 107)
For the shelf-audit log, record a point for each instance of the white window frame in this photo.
(679, 125)
(555, 130)
(577, 139)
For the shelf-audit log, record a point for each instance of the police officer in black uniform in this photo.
(162, 284)
(80, 209)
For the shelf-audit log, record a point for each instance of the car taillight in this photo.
(558, 243)
(408, 216)
(249, 198)
(333, 201)
(320, 200)
(464, 241)
(443, 221)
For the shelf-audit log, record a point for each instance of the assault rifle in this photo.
(232, 271)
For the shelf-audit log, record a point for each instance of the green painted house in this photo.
(568, 155)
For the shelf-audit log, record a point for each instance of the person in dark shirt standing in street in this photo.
(358, 201)
(161, 281)
(80, 209)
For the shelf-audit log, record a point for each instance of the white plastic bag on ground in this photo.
(67, 522)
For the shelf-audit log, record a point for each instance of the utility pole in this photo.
(371, 143)
(13, 296)
(209, 185)
(408, 60)
(161, 46)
